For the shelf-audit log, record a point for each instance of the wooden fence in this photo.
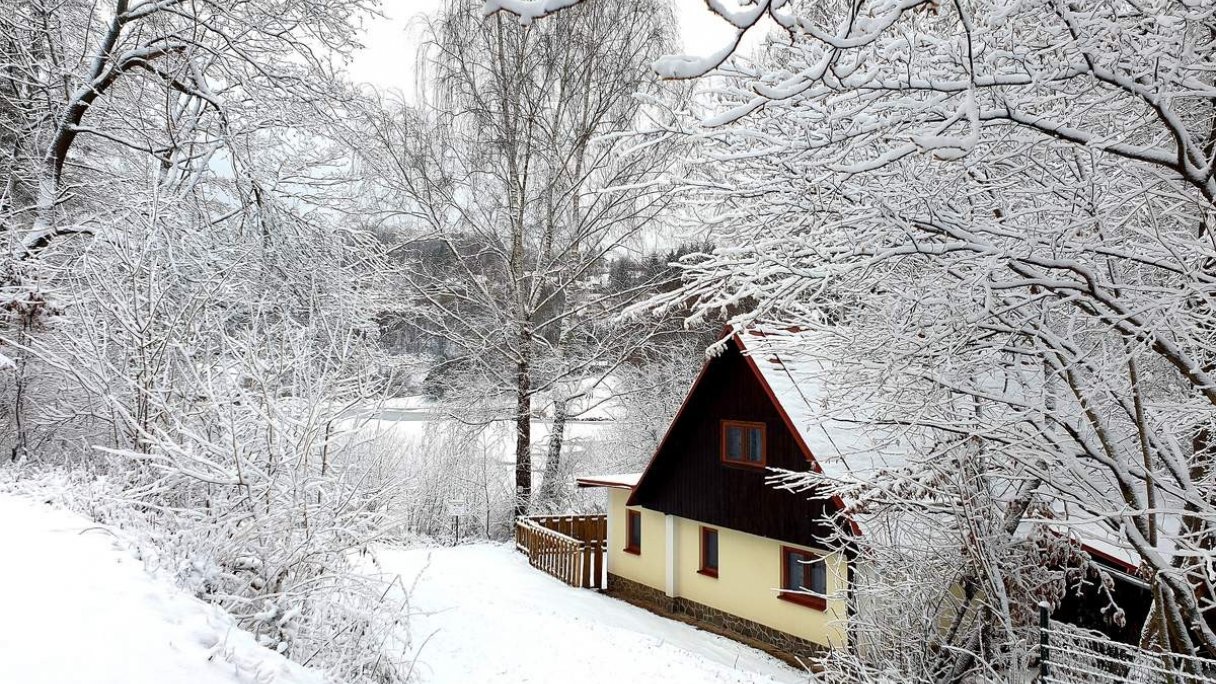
(569, 547)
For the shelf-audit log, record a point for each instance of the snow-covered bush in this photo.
(216, 373)
(294, 588)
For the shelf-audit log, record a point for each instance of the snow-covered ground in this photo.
(78, 609)
(480, 613)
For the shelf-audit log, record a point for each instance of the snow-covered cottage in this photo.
(702, 534)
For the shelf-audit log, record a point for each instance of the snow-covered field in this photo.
(411, 421)
(480, 613)
(78, 609)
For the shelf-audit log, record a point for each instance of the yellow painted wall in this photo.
(650, 566)
(749, 575)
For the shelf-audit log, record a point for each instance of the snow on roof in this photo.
(624, 481)
(798, 368)
(1098, 540)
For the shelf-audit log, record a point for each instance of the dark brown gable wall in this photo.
(688, 479)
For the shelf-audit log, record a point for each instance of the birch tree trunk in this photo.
(554, 475)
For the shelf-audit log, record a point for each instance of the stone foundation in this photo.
(780, 644)
(639, 594)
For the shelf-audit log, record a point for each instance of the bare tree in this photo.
(74, 69)
(539, 158)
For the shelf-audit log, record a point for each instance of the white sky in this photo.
(389, 60)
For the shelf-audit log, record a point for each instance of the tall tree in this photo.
(537, 159)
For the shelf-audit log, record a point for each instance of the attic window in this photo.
(743, 443)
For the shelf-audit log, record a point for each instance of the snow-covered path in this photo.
(77, 609)
(482, 614)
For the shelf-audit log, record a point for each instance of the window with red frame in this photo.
(709, 552)
(803, 571)
(743, 443)
(633, 531)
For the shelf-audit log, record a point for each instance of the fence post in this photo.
(1044, 670)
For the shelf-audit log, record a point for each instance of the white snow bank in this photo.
(480, 613)
(78, 608)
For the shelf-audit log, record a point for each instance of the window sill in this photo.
(744, 465)
(632, 549)
(815, 602)
(708, 572)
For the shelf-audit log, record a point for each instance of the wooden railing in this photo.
(569, 547)
(588, 528)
